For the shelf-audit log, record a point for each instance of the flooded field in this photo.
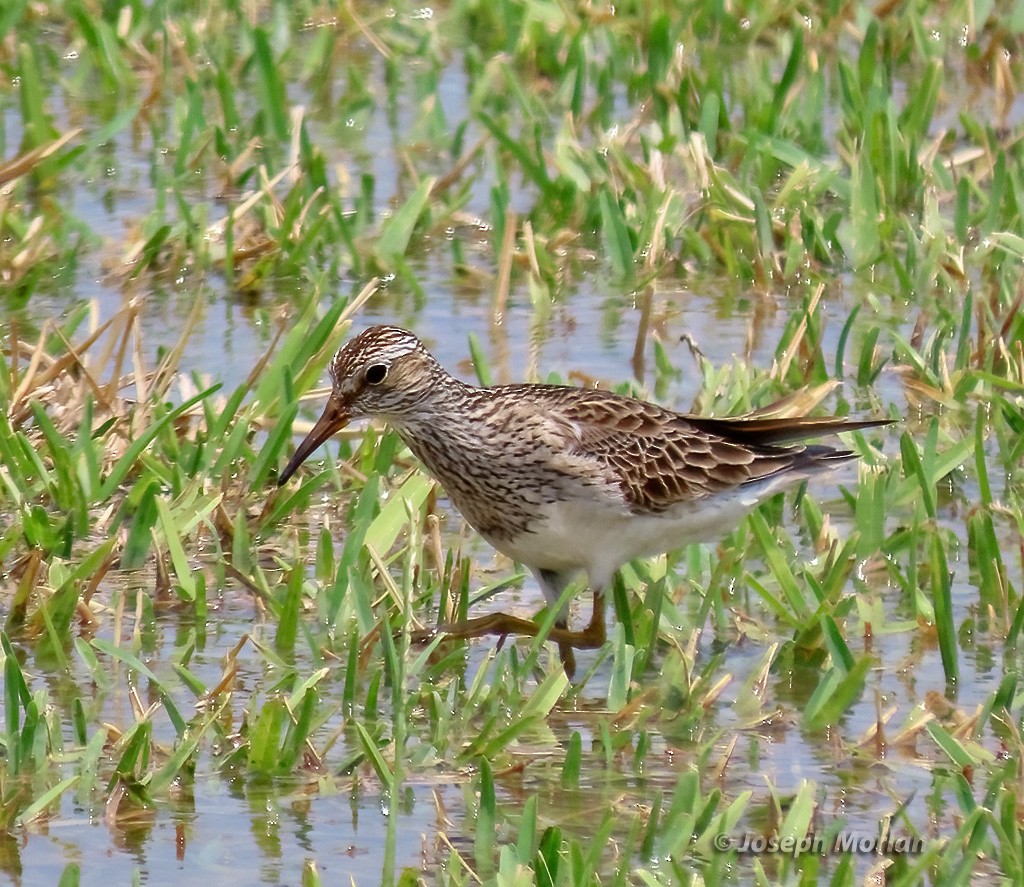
(206, 676)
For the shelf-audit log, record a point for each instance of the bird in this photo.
(564, 479)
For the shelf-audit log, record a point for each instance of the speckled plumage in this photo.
(564, 479)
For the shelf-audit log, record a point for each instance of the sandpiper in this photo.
(564, 479)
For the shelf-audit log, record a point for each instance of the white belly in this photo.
(599, 538)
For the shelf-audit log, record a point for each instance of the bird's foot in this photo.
(504, 624)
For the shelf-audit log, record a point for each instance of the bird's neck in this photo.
(444, 408)
(443, 405)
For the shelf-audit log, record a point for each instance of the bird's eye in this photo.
(376, 373)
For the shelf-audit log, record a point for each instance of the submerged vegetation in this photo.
(838, 186)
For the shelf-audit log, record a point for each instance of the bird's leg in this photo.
(596, 631)
(565, 653)
(589, 638)
(492, 623)
(501, 624)
(592, 637)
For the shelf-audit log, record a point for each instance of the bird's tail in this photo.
(775, 432)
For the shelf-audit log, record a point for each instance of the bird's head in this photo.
(385, 372)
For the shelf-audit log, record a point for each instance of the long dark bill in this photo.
(334, 418)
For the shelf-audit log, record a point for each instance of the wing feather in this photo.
(660, 458)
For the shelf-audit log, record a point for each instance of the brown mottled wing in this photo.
(663, 458)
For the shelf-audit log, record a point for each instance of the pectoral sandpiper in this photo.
(565, 479)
